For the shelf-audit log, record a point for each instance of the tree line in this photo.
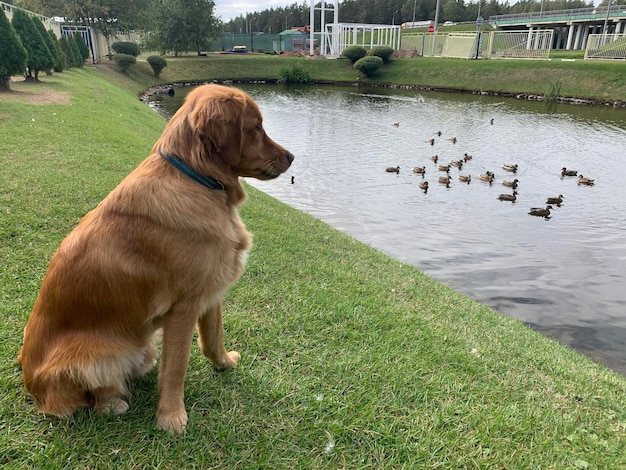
(26, 48)
(277, 19)
(177, 26)
(169, 26)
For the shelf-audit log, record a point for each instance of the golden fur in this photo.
(160, 251)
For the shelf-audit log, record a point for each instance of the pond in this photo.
(564, 276)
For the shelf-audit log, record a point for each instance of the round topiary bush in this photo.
(124, 61)
(157, 63)
(125, 47)
(384, 52)
(354, 53)
(368, 65)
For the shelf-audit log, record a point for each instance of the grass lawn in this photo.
(582, 79)
(350, 359)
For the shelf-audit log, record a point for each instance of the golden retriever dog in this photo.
(159, 252)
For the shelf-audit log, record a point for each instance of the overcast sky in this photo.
(231, 9)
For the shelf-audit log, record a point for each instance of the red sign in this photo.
(431, 29)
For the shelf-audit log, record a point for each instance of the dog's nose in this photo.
(290, 157)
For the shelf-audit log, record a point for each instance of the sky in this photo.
(231, 9)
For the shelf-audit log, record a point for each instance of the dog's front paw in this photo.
(230, 360)
(173, 421)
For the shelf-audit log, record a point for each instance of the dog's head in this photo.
(219, 132)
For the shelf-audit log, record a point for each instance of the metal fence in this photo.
(606, 46)
(488, 45)
(518, 44)
(425, 44)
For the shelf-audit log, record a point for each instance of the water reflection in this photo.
(564, 276)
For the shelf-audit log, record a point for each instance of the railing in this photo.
(8, 8)
(606, 46)
(597, 13)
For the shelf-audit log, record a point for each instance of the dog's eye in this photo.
(258, 128)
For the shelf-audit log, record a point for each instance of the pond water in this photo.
(564, 276)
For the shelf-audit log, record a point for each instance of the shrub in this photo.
(368, 65)
(125, 47)
(354, 53)
(124, 61)
(384, 52)
(294, 75)
(157, 63)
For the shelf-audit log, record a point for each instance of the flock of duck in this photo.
(489, 177)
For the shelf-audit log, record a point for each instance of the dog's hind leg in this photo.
(211, 339)
(106, 400)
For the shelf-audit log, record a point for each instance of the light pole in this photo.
(479, 24)
(288, 15)
(251, 36)
(414, 7)
(606, 20)
(393, 19)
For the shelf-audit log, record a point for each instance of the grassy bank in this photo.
(595, 80)
(350, 359)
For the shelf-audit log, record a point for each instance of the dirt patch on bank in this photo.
(33, 93)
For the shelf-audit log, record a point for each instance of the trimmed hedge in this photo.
(368, 65)
(157, 63)
(124, 61)
(384, 52)
(126, 47)
(354, 53)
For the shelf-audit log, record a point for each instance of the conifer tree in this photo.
(12, 53)
(78, 59)
(70, 61)
(82, 46)
(61, 59)
(39, 57)
(48, 40)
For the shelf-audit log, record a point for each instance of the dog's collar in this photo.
(207, 181)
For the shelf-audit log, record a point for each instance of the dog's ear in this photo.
(217, 123)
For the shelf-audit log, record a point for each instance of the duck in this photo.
(557, 201)
(540, 211)
(452, 139)
(491, 121)
(424, 186)
(435, 158)
(585, 181)
(396, 124)
(509, 167)
(457, 163)
(438, 133)
(511, 184)
(431, 141)
(466, 157)
(445, 168)
(508, 197)
(393, 169)
(465, 178)
(445, 180)
(488, 177)
(420, 170)
(566, 172)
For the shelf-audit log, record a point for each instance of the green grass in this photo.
(350, 358)
(582, 79)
